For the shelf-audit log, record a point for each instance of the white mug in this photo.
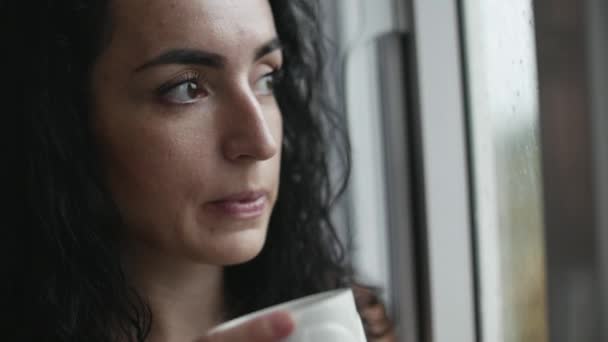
(328, 316)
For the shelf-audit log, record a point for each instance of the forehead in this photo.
(228, 27)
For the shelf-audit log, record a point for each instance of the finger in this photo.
(269, 328)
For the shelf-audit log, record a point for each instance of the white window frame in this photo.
(443, 134)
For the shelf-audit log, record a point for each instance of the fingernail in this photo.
(282, 324)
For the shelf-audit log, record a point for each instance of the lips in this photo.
(244, 205)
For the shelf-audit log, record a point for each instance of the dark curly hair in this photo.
(63, 276)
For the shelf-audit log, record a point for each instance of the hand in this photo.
(269, 328)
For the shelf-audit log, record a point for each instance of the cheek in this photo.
(277, 132)
(155, 171)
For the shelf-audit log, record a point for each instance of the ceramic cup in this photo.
(327, 316)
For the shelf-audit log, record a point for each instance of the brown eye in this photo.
(265, 85)
(188, 91)
(187, 88)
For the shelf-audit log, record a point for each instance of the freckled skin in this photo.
(164, 163)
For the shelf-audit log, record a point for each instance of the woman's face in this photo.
(189, 130)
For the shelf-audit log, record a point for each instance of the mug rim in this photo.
(293, 306)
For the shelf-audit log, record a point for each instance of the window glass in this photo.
(503, 117)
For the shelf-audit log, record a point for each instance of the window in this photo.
(503, 113)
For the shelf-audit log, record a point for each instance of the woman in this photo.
(153, 135)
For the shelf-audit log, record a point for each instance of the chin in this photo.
(237, 248)
(240, 256)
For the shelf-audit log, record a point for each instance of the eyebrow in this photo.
(204, 58)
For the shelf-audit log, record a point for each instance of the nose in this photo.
(252, 129)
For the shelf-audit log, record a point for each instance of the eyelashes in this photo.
(184, 89)
(266, 84)
(190, 87)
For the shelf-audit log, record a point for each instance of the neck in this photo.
(185, 297)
